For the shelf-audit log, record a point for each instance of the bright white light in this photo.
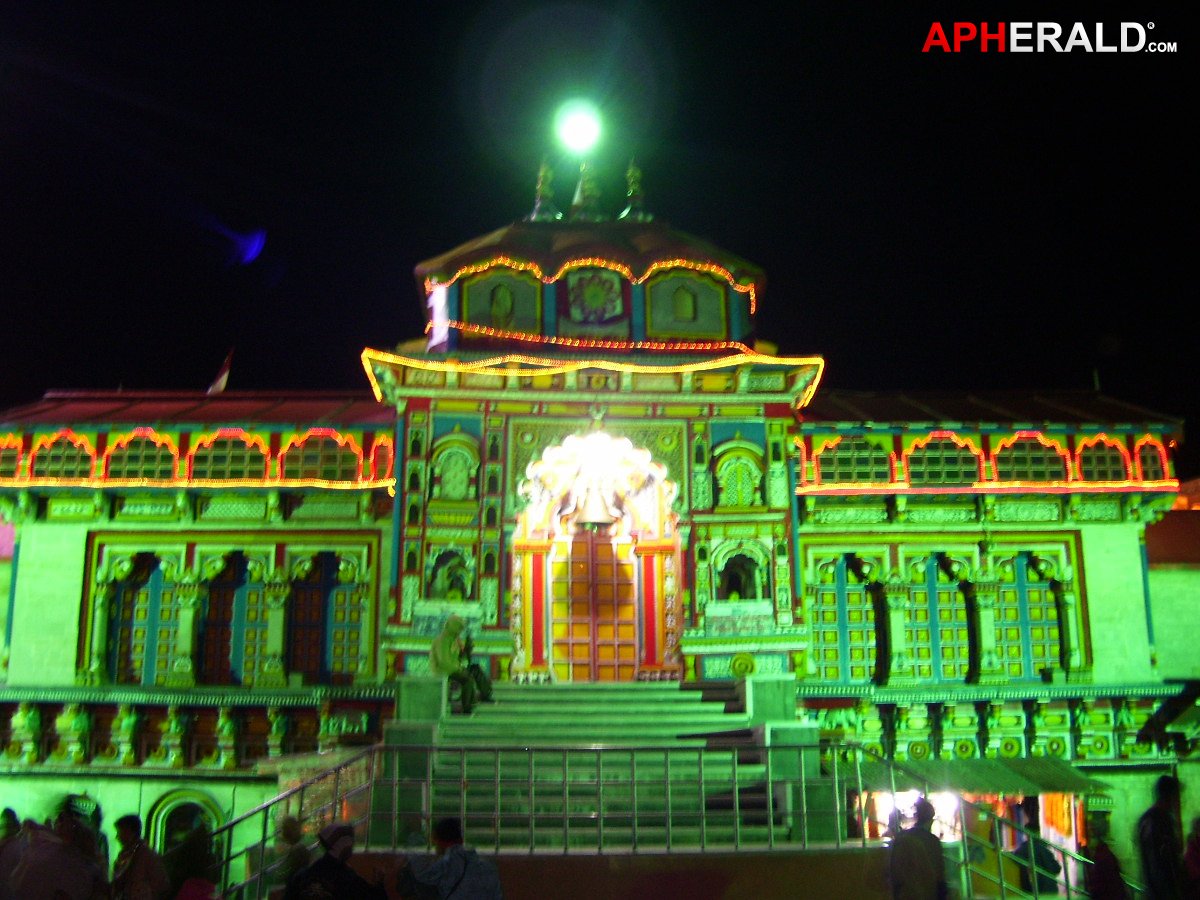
(578, 126)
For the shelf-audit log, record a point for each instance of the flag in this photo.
(222, 378)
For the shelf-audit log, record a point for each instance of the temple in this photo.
(593, 459)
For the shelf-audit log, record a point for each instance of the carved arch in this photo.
(739, 466)
(454, 467)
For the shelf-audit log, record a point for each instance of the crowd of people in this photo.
(65, 857)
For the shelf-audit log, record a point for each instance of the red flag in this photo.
(222, 378)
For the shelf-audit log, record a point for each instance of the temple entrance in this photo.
(595, 566)
(593, 608)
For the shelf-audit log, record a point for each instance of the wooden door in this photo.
(594, 610)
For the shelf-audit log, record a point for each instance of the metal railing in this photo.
(621, 800)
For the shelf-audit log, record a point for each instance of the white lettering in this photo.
(1128, 28)
(1102, 47)
(1078, 38)
(1048, 33)
(1019, 35)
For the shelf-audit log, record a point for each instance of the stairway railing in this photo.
(620, 800)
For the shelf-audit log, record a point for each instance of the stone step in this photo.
(590, 832)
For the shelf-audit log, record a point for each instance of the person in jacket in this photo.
(456, 872)
(138, 873)
(330, 877)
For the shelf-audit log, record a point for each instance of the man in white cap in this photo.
(330, 877)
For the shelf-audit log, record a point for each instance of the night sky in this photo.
(180, 179)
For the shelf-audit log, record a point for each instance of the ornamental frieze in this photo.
(1026, 511)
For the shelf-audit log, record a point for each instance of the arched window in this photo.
(228, 455)
(10, 455)
(943, 460)
(739, 579)
(143, 455)
(177, 814)
(65, 455)
(1104, 460)
(1152, 461)
(455, 468)
(1030, 458)
(739, 468)
(321, 455)
(853, 460)
(451, 576)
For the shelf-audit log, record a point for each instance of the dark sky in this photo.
(961, 221)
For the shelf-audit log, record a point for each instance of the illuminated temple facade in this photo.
(594, 461)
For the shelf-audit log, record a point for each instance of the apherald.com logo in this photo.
(1044, 37)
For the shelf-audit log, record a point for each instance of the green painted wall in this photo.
(1112, 562)
(1175, 599)
(49, 591)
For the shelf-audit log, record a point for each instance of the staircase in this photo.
(603, 765)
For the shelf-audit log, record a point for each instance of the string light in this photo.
(598, 262)
(590, 343)
(384, 450)
(1073, 483)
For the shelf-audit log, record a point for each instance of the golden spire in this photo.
(633, 191)
(544, 209)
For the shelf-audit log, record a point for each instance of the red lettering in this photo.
(964, 33)
(936, 38)
(997, 36)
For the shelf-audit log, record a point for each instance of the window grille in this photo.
(228, 459)
(854, 460)
(322, 458)
(943, 461)
(142, 458)
(1150, 463)
(63, 459)
(9, 458)
(1102, 462)
(1028, 459)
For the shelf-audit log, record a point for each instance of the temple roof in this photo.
(243, 407)
(550, 245)
(1015, 408)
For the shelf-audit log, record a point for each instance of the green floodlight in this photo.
(578, 126)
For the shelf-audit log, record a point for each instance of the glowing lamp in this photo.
(578, 126)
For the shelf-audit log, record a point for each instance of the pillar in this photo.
(272, 671)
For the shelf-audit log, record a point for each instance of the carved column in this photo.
(25, 734)
(173, 729)
(985, 589)
(103, 591)
(124, 735)
(897, 594)
(363, 596)
(73, 726)
(1069, 630)
(271, 671)
(280, 722)
(183, 668)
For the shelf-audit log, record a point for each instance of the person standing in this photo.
(1039, 868)
(917, 866)
(292, 848)
(138, 873)
(1159, 844)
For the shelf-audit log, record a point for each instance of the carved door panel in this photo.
(594, 610)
